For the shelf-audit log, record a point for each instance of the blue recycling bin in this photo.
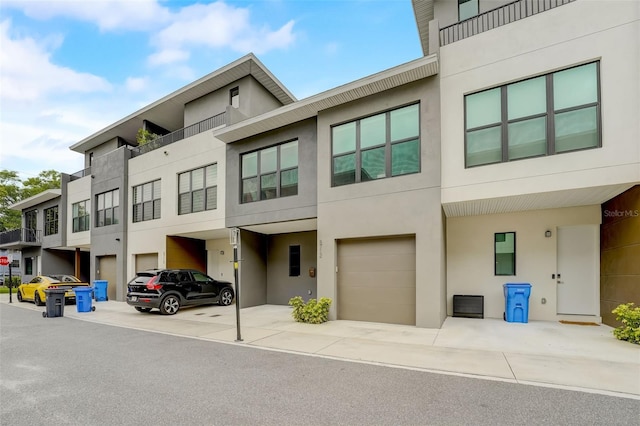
(100, 290)
(83, 299)
(516, 302)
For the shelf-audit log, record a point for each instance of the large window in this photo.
(51, 221)
(505, 253)
(146, 201)
(198, 190)
(380, 146)
(80, 212)
(545, 115)
(270, 173)
(467, 9)
(108, 207)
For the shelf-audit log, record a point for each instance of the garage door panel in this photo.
(377, 280)
(146, 261)
(374, 313)
(381, 247)
(384, 279)
(396, 296)
(389, 262)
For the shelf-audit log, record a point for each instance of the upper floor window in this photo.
(198, 190)
(146, 201)
(380, 146)
(80, 215)
(234, 97)
(108, 206)
(467, 9)
(51, 221)
(270, 173)
(545, 115)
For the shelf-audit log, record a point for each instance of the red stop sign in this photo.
(4, 261)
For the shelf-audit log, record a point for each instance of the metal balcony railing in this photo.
(80, 174)
(495, 18)
(194, 129)
(21, 236)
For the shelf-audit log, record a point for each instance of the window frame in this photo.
(205, 190)
(295, 260)
(51, 226)
(107, 216)
(387, 146)
(156, 203)
(81, 223)
(495, 254)
(279, 170)
(549, 114)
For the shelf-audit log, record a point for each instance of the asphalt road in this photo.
(61, 371)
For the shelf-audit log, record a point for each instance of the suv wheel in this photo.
(170, 305)
(226, 297)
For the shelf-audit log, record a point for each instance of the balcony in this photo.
(80, 174)
(495, 18)
(164, 140)
(17, 239)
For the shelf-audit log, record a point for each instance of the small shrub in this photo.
(630, 318)
(144, 136)
(312, 312)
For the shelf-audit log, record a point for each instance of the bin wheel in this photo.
(93, 308)
(106, 299)
(504, 316)
(44, 315)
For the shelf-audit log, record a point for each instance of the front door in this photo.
(578, 270)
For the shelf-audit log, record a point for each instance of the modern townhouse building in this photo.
(509, 152)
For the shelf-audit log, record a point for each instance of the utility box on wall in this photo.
(468, 306)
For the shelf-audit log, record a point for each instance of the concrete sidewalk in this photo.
(578, 357)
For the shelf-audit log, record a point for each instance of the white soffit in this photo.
(539, 201)
(423, 12)
(40, 198)
(284, 227)
(309, 107)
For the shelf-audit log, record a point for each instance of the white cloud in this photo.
(218, 25)
(138, 15)
(168, 56)
(26, 72)
(136, 84)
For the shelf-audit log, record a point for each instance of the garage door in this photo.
(377, 280)
(107, 268)
(146, 261)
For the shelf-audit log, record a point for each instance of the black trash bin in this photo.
(54, 302)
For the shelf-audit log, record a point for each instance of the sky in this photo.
(70, 68)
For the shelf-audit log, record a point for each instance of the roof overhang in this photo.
(309, 107)
(40, 198)
(536, 201)
(423, 12)
(168, 112)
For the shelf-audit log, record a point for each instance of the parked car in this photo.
(34, 290)
(170, 289)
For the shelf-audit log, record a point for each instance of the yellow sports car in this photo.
(34, 289)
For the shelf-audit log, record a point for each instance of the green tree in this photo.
(10, 193)
(47, 179)
(13, 190)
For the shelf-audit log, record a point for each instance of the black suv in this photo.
(169, 289)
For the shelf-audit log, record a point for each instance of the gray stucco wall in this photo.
(254, 100)
(101, 150)
(402, 205)
(58, 262)
(301, 206)
(280, 286)
(110, 171)
(252, 270)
